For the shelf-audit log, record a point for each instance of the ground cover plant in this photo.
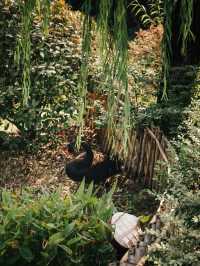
(51, 230)
(179, 240)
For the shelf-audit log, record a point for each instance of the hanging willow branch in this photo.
(185, 18)
(121, 61)
(86, 49)
(186, 11)
(23, 49)
(113, 49)
(45, 9)
(104, 17)
(167, 44)
(107, 55)
(114, 55)
(24, 46)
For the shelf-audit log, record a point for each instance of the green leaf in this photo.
(144, 218)
(42, 54)
(66, 249)
(55, 239)
(49, 225)
(138, 12)
(6, 198)
(26, 253)
(68, 229)
(106, 225)
(74, 241)
(90, 189)
(81, 189)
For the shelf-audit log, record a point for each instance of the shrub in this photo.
(55, 62)
(179, 240)
(52, 230)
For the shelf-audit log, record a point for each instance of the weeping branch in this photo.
(82, 86)
(186, 35)
(113, 44)
(114, 54)
(28, 10)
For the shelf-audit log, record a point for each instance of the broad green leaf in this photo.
(106, 225)
(55, 239)
(73, 241)
(68, 229)
(81, 188)
(66, 249)
(144, 218)
(6, 198)
(90, 189)
(26, 253)
(49, 225)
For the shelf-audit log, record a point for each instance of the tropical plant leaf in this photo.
(56, 239)
(66, 249)
(26, 253)
(81, 188)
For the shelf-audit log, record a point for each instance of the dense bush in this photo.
(55, 61)
(179, 240)
(179, 243)
(50, 230)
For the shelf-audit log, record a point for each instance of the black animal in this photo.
(77, 168)
(101, 171)
(82, 167)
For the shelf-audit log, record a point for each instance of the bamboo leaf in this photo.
(68, 229)
(6, 198)
(81, 188)
(90, 189)
(55, 239)
(26, 253)
(74, 240)
(66, 249)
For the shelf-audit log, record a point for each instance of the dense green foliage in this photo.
(179, 241)
(57, 93)
(51, 230)
(45, 89)
(183, 95)
(53, 76)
